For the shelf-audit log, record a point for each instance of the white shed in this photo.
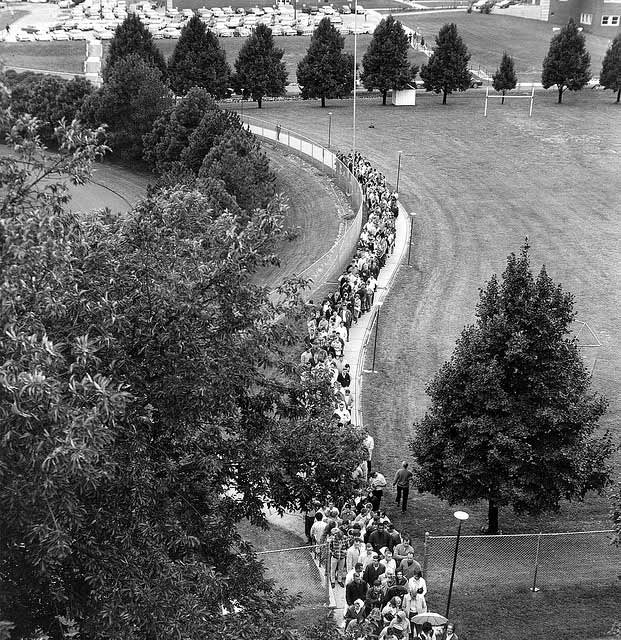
(404, 97)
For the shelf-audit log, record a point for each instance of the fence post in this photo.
(426, 554)
(535, 588)
(328, 570)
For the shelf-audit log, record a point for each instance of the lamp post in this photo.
(378, 304)
(398, 171)
(412, 216)
(329, 128)
(353, 143)
(462, 516)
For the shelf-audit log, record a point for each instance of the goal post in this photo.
(530, 98)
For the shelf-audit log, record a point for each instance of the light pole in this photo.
(398, 171)
(353, 143)
(329, 128)
(462, 516)
(412, 216)
(378, 304)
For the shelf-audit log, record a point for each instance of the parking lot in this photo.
(98, 20)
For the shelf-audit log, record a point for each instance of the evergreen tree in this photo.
(325, 71)
(512, 416)
(259, 69)
(132, 36)
(199, 61)
(129, 102)
(505, 79)
(567, 63)
(236, 159)
(610, 76)
(172, 131)
(385, 63)
(447, 69)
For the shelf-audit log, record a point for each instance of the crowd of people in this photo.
(329, 323)
(357, 543)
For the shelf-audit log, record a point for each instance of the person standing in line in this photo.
(402, 480)
(369, 445)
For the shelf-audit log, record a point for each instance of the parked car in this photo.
(43, 36)
(76, 34)
(60, 35)
(226, 33)
(475, 81)
(360, 9)
(241, 32)
(345, 9)
(24, 36)
(290, 31)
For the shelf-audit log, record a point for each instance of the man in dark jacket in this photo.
(356, 589)
(381, 538)
(373, 570)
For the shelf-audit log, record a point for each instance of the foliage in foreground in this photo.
(146, 407)
(512, 417)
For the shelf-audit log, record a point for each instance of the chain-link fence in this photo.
(523, 560)
(303, 571)
(337, 258)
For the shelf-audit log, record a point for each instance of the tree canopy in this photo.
(259, 69)
(567, 63)
(447, 69)
(610, 75)
(505, 79)
(129, 102)
(385, 63)
(512, 417)
(49, 99)
(146, 407)
(325, 71)
(198, 60)
(133, 37)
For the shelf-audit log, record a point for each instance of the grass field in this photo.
(487, 36)
(479, 186)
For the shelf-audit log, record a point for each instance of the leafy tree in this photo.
(385, 62)
(512, 416)
(567, 63)
(129, 102)
(610, 75)
(325, 71)
(199, 61)
(50, 99)
(132, 37)
(145, 408)
(447, 69)
(505, 79)
(236, 159)
(259, 69)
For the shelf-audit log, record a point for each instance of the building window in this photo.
(586, 18)
(611, 21)
(614, 20)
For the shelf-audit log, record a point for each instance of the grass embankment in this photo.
(479, 186)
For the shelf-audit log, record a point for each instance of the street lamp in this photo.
(412, 216)
(378, 304)
(462, 516)
(329, 128)
(398, 171)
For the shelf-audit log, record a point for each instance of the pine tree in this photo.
(259, 69)
(325, 71)
(199, 61)
(129, 102)
(132, 36)
(567, 62)
(447, 69)
(385, 62)
(505, 79)
(512, 416)
(610, 76)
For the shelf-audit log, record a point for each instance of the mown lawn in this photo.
(479, 187)
(487, 36)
